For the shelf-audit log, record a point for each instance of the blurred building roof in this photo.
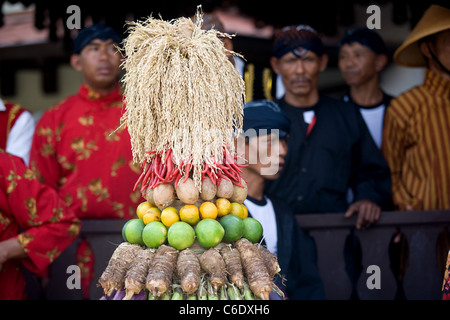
(19, 29)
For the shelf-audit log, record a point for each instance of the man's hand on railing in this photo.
(368, 213)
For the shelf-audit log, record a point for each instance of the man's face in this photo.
(358, 64)
(99, 61)
(265, 155)
(300, 75)
(441, 47)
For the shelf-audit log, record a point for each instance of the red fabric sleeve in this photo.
(43, 158)
(49, 226)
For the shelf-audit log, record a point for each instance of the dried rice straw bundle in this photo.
(183, 98)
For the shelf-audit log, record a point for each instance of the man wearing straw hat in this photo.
(416, 134)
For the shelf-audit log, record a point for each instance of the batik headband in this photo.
(298, 40)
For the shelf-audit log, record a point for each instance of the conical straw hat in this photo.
(434, 20)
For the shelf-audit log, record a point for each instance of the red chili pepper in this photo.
(186, 172)
(241, 165)
(228, 157)
(146, 184)
(235, 167)
(177, 178)
(222, 167)
(162, 169)
(174, 173)
(158, 175)
(157, 167)
(149, 171)
(238, 156)
(141, 177)
(233, 175)
(153, 182)
(169, 164)
(237, 184)
(222, 175)
(211, 177)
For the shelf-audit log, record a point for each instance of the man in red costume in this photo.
(48, 225)
(81, 149)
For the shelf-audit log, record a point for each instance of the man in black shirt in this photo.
(330, 149)
(264, 143)
(362, 56)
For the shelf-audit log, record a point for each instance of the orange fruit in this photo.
(223, 207)
(245, 211)
(169, 216)
(152, 214)
(142, 208)
(237, 210)
(208, 210)
(189, 213)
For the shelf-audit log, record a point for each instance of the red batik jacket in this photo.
(81, 150)
(47, 226)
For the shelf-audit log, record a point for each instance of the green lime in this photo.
(234, 227)
(123, 231)
(154, 234)
(209, 233)
(133, 231)
(253, 230)
(181, 235)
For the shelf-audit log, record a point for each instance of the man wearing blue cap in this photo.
(96, 57)
(266, 130)
(330, 149)
(362, 56)
(80, 149)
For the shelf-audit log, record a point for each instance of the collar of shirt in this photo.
(93, 95)
(383, 103)
(436, 84)
(2, 105)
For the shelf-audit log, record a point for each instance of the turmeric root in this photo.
(270, 261)
(113, 277)
(137, 274)
(233, 265)
(161, 269)
(188, 269)
(212, 263)
(258, 277)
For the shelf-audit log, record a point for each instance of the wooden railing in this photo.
(404, 253)
(402, 256)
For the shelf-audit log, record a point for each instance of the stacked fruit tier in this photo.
(191, 244)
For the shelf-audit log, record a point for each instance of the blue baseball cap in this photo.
(265, 114)
(95, 31)
(366, 37)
